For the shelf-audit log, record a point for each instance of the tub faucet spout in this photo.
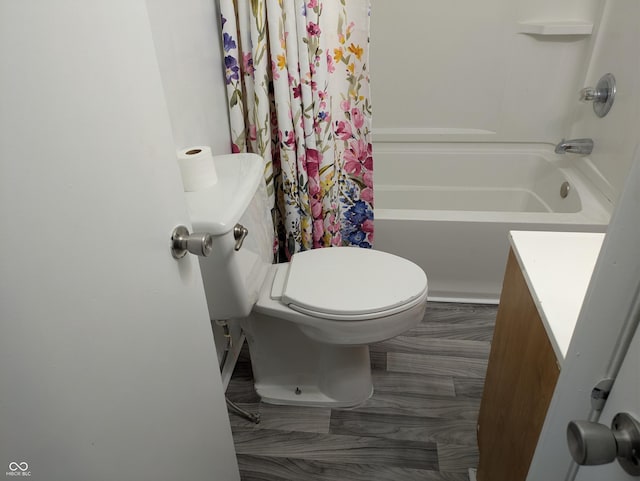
(575, 146)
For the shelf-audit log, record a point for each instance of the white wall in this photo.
(460, 70)
(188, 47)
(187, 39)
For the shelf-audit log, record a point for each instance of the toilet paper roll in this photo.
(197, 168)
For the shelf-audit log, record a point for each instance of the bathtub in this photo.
(450, 209)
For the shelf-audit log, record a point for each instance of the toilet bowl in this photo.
(309, 340)
(308, 322)
(346, 295)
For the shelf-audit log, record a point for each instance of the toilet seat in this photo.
(364, 284)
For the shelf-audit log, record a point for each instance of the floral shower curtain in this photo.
(297, 79)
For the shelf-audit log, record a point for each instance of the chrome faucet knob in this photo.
(589, 94)
(601, 95)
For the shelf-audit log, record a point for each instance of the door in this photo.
(107, 364)
(624, 397)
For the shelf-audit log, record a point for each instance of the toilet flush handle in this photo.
(239, 234)
(199, 244)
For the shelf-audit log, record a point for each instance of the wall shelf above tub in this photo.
(555, 28)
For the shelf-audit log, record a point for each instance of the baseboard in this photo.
(465, 300)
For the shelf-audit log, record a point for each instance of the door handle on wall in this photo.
(593, 444)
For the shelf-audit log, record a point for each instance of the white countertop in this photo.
(557, 267)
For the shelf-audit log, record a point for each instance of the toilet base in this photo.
(292, 369)
(303, 396)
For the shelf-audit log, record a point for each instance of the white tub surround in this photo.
(508, 72)
(503, 72)
(557, 267)
(449, 209)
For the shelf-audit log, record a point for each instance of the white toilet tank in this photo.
(232, 278)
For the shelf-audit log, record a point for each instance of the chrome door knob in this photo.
(593, 444)
(199, 244)
(590, 443)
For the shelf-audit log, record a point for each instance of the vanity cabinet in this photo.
(521, 377)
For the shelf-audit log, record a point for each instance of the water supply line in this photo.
(254, 418)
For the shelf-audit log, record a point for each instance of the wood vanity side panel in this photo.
(521, 377)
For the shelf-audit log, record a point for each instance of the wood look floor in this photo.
(420, 423)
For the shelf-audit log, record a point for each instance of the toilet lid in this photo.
(350, 281)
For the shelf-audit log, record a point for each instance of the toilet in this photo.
(308, 322)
